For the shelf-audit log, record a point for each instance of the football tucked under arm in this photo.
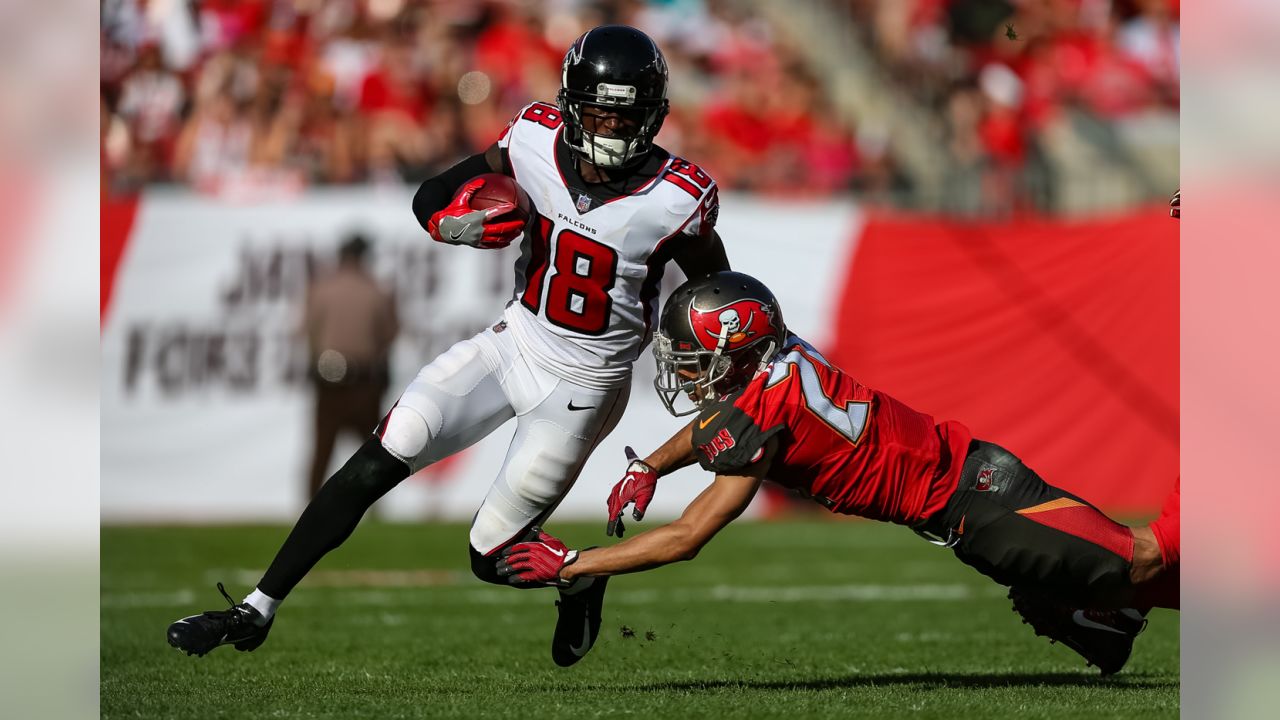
(489, 211)
(435, 193)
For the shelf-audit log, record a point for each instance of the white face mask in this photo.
(608, 152)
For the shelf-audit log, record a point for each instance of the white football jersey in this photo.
(587, 281)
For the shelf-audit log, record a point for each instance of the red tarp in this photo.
(117, 222)
(1057, 340)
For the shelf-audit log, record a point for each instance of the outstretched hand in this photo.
(636, 486)
(539, 561)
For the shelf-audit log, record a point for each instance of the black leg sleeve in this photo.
(435, 193)
(333, 514)
(485, 568)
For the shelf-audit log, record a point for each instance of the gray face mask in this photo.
(713, 371)
(674, 388)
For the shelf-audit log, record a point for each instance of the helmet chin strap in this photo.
(767, 357)
(722, 343)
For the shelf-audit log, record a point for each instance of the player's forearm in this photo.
(658, 547)
(436, 192)
(674, 453)
(703, 255)
(717, 259)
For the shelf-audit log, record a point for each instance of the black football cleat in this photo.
(578, 625)
(1104, 638)
(237, 625)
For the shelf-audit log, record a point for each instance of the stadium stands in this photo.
(1046, 105)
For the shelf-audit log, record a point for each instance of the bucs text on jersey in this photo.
(855, 450)
(590, 269)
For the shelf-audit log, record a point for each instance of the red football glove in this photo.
(536, 562)
(637, 487)
(459, 224)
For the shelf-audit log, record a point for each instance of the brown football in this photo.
(498, 189)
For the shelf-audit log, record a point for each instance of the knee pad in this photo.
(545, 465)
(405, 434)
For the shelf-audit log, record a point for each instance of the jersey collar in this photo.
(589, 196)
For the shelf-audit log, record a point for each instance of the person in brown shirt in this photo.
(350, 323)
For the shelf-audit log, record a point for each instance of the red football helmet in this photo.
(714, 334)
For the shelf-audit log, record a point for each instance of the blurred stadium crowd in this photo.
(996, 67)
(254, 97)
(999, 74)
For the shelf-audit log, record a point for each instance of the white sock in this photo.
(264, 604)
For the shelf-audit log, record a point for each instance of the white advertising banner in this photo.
(206, 409)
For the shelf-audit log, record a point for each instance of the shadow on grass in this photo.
(928, 681)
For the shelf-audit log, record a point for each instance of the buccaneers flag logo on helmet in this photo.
(732, 326)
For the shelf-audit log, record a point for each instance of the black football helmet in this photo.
(715, 333)
(621, 69)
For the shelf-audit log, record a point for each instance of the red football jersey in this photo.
(853, 449)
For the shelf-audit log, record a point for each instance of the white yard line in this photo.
(392, 595)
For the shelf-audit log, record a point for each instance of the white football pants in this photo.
(476, 386)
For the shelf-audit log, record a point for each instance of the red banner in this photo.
(117, 222)
(1057, 340)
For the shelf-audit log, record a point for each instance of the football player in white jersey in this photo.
(611, 208)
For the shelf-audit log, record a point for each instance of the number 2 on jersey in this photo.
(849, 421)
(577, 296)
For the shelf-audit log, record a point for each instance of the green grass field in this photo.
(795, 619)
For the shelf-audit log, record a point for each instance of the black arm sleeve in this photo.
(702, 255)
(728, 440)
(436, 192)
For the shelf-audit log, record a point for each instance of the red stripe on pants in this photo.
(1085, 523)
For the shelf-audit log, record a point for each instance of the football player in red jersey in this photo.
(770, 406)
(610, 210)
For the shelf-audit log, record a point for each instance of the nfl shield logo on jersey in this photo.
(584, 202)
